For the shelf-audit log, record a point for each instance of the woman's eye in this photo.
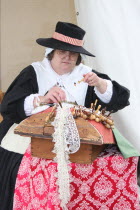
(62, 51)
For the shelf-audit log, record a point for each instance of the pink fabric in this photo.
(107, 134)
(67, 39)
(109, 183)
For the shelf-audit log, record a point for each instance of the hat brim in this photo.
(59, 45)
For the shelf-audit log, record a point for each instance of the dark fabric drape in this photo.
(9, 164)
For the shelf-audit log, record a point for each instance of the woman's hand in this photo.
(55, 95)
(93, 80)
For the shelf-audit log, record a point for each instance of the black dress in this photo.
(12, 110)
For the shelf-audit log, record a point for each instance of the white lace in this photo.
(67, 141)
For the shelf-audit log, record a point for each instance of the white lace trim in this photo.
(67, 140)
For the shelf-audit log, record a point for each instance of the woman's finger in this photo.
(56, 96)
(53, 99)
(62, 95)
(88, 76)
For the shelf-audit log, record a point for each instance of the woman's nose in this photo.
(67, 53)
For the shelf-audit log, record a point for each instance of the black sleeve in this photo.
(119, 100)
(12, 106)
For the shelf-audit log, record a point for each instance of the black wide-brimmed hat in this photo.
(67, 36)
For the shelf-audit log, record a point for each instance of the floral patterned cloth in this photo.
(109, 183)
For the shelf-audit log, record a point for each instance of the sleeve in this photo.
(25, 84)
(105, 97)
(119, 99)
(28, 104)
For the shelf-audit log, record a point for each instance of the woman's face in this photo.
(64, 61)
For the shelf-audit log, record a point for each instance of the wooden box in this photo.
(42, 148)
(93, 138)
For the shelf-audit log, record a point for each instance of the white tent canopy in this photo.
(113, 35)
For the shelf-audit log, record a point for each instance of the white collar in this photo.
(47, 78)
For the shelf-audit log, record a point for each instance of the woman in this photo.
(53, 80)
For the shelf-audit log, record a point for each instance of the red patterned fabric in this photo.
(109, 183)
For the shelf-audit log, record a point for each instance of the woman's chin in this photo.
(67, 67)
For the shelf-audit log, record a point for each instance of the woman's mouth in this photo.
(66, 62)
